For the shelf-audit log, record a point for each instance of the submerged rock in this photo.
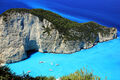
(25, 30)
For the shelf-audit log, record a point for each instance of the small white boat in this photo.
(50, 70)
(57, 64)
(28, 71)
(41, 61)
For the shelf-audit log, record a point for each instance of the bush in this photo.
(80, 75)
(6, 74)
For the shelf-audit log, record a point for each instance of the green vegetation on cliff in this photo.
(6, 74)
(69, 29)
(80, 75)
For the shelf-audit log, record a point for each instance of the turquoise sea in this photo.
(103, 60)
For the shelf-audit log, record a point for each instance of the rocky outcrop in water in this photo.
(23, 32)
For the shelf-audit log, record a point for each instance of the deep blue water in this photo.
(106, 12)
(103, 60)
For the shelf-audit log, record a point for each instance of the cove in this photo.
(103, 60)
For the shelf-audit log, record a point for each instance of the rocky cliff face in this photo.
(24, 32)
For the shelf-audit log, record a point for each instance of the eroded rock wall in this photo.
(24, 32)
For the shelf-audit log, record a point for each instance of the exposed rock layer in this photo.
(24, 32)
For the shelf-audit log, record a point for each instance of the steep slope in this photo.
(23, 30)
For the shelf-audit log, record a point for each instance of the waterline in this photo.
(103, 59)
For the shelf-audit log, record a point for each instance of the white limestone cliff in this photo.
(24, 32)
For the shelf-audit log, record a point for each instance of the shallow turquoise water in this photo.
(103, 59)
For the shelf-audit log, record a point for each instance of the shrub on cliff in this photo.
(6, 74)
(80, 75)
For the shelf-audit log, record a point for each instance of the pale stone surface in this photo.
(26, 32)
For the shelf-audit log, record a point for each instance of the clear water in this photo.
(103, 59)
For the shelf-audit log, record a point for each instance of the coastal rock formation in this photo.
(22, 32)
